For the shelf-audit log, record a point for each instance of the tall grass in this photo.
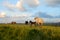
(27, 32)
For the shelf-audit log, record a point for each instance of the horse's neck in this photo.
(39, 20)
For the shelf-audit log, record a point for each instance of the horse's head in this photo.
(35, 18)
(30, 21)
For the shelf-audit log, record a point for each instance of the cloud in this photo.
(32, 3)
(20, 18)
(53, 3)
(43, 15)
(57, 16)
(51, 20)
(22, 15)
(9, 6)
(20, 4)
(2, 14)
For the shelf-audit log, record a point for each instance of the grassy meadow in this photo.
(28, 32)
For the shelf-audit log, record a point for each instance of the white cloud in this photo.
(22, 15)
(2, 14)
(53, 2)
(51, 20)
(8, 5)
(20, 18)
(32, 3)
(20, 4)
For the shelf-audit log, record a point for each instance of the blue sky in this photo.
(29, 8)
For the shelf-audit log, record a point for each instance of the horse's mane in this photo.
(37, 18)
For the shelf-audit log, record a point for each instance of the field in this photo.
(28, 32)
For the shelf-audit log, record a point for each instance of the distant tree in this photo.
(13, 22)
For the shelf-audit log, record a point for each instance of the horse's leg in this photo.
(35, 24)
(31, 25)
(40, 25)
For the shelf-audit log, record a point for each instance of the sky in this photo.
(22, 10)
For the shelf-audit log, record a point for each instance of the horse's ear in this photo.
(35, 18)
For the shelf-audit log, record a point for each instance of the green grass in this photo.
(27, 32)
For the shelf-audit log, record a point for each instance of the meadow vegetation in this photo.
(27, 32)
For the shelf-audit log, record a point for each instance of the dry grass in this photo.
(27, 32)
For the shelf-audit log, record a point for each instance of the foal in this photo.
(32, 23)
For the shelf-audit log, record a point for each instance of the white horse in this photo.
(39, 21)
